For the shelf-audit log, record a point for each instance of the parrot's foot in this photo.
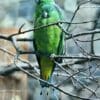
(43, 85)
(52, 56)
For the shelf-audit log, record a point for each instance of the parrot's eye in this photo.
(45, 14)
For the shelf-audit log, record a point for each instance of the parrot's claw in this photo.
(52, 56)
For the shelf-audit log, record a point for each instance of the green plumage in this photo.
(48, 40)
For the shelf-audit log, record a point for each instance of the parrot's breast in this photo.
(47, 38)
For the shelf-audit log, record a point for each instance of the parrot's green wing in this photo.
(48, 40)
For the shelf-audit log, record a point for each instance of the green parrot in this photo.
(48, 40)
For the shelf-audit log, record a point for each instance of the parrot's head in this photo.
(48, 10)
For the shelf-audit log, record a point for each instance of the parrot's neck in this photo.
(46, 1)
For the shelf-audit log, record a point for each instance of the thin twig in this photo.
(98, 39)
(20, 59)
(9, 69)
(73, 77)
(52, 85)
(96, 31)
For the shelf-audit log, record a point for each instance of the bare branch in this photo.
(9, 69)
(52, 85)
(96, 31)
(98, 39)
(20, 59)
(88, 57)
(19, 32)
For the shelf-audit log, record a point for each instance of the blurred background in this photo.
(13, 14)
(17, 85)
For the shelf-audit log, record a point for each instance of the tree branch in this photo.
(9, 69)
